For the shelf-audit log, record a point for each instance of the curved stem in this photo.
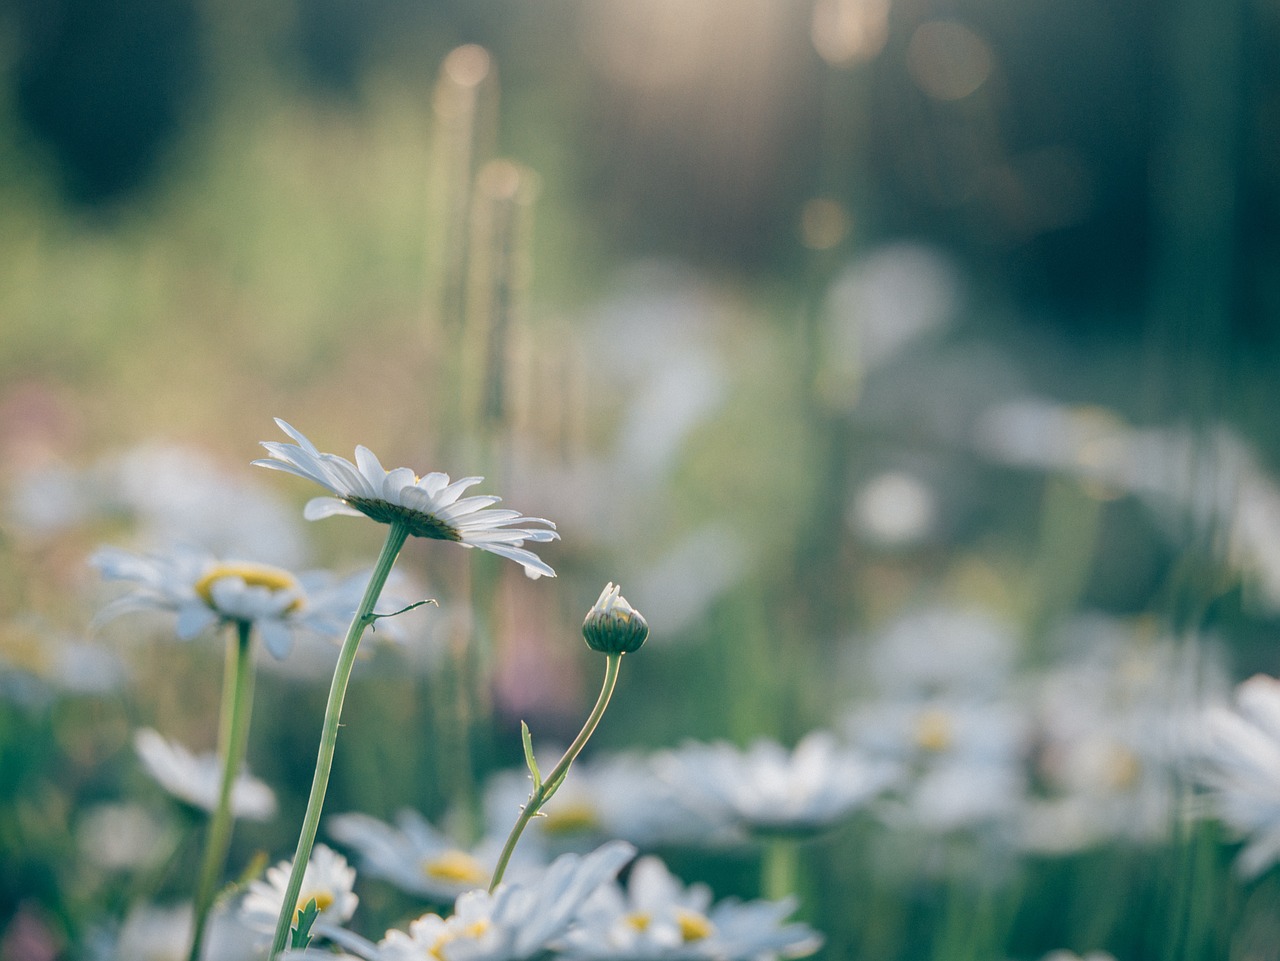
(233, 736)
(329, 732)
(551, 783)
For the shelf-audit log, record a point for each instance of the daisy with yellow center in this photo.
(655, 917)
(429, 506)
(413, 855)
(328, 880)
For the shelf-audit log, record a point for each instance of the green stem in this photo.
(551, 782)
(780, 869)
(329, 733)
(233, 736)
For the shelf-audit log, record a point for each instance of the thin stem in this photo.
(329, 732)
(552, 781)
(780, 868)
(233, 736)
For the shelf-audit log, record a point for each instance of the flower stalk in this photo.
(397, 533)
(233, 737)
(544, 789)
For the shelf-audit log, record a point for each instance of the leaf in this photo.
(300, 934)
(529, 759)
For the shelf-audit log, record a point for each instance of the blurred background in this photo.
(798, 317)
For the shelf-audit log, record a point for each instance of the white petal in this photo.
(320, 507)
(194, 618)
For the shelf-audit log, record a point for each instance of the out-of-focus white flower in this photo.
(519, 921)
(944, 711)
(430, 506)
(1212, 478)
(152, 933)
(1240, 764)
(117, 837)
(943, 650)
(203, 592)
(172, 494)
(893, 509)
(767, 789)
(1064, 955)
(616, 796)
(414, 856)
(655, 917)
(195, 779)
(878, 307)
(964, 758)
(1114, 722)
(328, 880)
(155, 934)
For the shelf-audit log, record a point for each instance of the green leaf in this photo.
(529, 759)
(300, 934)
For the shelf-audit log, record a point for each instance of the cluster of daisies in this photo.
(574, 905)
(944, 740)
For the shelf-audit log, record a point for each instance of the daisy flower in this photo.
(328, 879)
(520, 921)
(204, 592)
(195, 778)
(429, 506)
(770, 790)
(414, 856)
(656, 918)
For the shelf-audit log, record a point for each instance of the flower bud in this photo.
(613, 626)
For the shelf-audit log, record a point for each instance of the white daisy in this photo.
(519, 921)
(430, 506)
(328, 880)
(204, 591)
(195, 779)
(414, 856)
(770, 790)
(656, 918)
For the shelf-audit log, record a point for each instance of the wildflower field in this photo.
(633, 480)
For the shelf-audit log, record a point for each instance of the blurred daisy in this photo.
(964, 757)
(615, 796)
(1114, 723)
(429, 506)
(414, 856)
(1241, 767)
(153, 933)
(204, 592)
(519, 921)
(770, 790)
(656, 917)
(328, 879)
(195, 778)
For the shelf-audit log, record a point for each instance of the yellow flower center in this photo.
(474, 930)
(455, 866)
(322, 899)
(640, 920)
(575, 817)
(934, 731)
(693, 926)
(1123, 768)
(254, 575)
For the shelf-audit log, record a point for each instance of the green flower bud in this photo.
(613, 626)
